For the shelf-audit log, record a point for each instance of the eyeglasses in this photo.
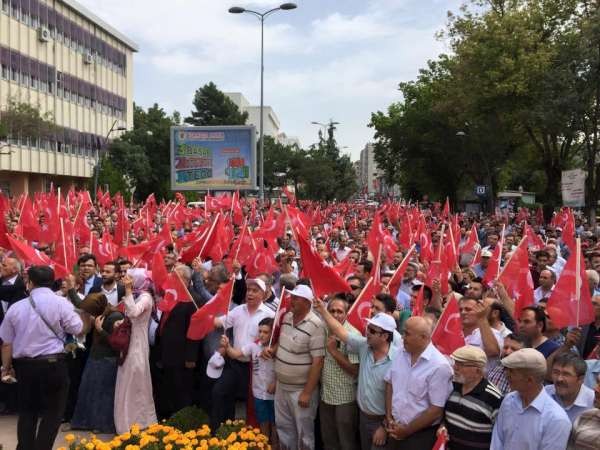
(355, 287)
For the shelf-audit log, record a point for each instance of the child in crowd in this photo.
(263, 377)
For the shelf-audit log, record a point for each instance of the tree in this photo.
(26, 121)
(213, 107)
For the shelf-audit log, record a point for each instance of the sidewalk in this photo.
(8, 434)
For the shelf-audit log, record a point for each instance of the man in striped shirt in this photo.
(473, 405)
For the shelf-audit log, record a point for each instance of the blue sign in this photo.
(213, 158)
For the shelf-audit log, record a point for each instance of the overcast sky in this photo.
(328, 59)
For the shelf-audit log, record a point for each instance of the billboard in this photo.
(573, 188)
(213, 157)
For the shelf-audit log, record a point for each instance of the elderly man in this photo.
(586, 429)
(12, 286)
(299, 359)
(234, 380)
(417, 387)
(376, 353)
(471, 410)
(547, 280)
(482, 266)
(477, 328)
(568, 389)
(529, 418)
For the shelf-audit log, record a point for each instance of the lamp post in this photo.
(262, 17)
(98, 160)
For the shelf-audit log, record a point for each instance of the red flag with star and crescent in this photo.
(448, 334)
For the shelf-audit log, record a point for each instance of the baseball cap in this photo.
(526, 359)
(257, 281)
(383, 321)
(486, 254)
(302, 290)
(214, 369)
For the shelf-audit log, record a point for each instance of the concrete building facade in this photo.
(59, 57)
(371, 179)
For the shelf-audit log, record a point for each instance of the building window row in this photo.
(63, 140)
(53, 25)
(35, 74)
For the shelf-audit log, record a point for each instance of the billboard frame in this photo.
(223, 187)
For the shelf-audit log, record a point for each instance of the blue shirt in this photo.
(583, 401)
(403, 300)
(370, 394)
(543, 425)
(591, 375)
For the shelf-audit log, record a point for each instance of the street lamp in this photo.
(98, 160)
(261, 17)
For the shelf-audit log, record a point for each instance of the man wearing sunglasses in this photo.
(376, 352)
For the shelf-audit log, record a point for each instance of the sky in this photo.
(327, 59)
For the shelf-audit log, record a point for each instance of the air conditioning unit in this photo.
(88, 58)
(44, 34)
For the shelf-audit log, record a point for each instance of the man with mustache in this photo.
(568, 389)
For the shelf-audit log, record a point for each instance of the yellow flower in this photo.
(62, 448)
(168, 447)
(89, 446)
(70, 437)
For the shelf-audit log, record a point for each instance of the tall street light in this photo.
(262, 17)
(98, 160)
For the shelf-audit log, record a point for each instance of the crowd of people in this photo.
(343, 355)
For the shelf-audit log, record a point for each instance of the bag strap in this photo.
(32, 303)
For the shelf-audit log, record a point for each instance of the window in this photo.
(14, 75)
(34, 82)
(43, 86)
(4, 72)
(5, 6)
(26, 79)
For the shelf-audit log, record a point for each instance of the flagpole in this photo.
(212, 227)
(62, 235)
(359, 298)
(578, 278)
(501, 247)
(244, 226)
(408, 255)
(511, 256)
(186, 289)
(276, 312)
(228, 303)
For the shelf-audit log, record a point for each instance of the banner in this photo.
(213, 158)
(573, 187)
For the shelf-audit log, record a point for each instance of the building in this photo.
(371, 179)
(57, 55)
(271, 124)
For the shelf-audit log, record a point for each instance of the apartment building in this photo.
(58, 56)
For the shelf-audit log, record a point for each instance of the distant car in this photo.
(196, 204)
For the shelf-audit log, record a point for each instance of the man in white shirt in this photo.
(417, 386)
(244, 320)
(477, 329)
(546, 280)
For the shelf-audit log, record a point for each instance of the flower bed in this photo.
(235, 435)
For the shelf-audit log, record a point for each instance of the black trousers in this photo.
(42, 387)
(176, 390)
(232, 385)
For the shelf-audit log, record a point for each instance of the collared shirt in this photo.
(543, 425)
(298, 344)
(592, 373)
(417, 387)
(475, 339)
(402, 300)
(245, 325)
(470, 418)
(10, 281)
(539, 294)
(338, 386)
(112, 295)
(370, 394)
(88, 284)
(586, 431)
(583, 401)
(497, 376)
(29, 335)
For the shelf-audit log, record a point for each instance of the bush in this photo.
(188, 418)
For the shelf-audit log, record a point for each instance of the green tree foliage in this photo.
(213, 107)
(24, 120)
(520, 91)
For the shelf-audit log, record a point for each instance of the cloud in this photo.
(338, 59)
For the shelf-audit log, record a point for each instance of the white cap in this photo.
(257, 281)
(302, 290)
(383, 321)
(486, 254)
(214, 369)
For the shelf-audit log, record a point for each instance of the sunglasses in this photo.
(372, 331)
(355, 287)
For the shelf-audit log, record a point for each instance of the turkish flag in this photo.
(566, 306)
(202, 321)
(285, 302)
(440, 443)
(516, 278)
(262, 261)
(175, 292)
(360, 310)
(493, 268)
(472, 241)
(534, 241)
(159, 271)
(396, 280)
(28, 221)
(448, 334)
(419, 307)
(539, 216)
(324, 278)
(104, 250)
(345, 267)
(34, 257)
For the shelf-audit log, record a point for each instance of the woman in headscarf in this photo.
(95, 402)
(133, 393)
